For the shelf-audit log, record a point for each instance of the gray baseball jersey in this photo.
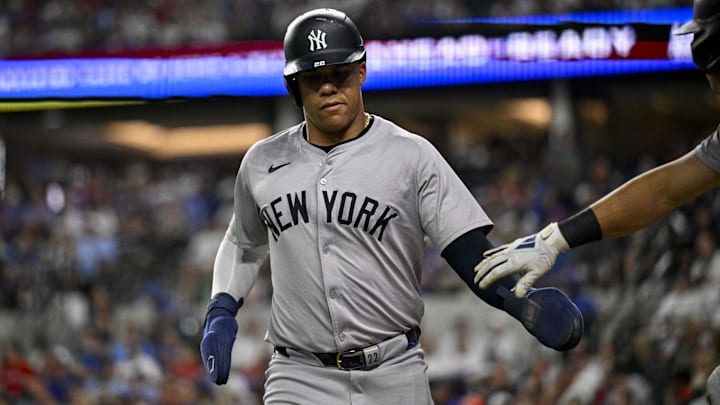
(347, 231)
(708, 151)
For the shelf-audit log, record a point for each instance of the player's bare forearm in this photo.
(652, 195)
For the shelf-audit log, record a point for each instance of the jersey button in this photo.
(323, 181)
(333, 294)
(326, 249)
(341, 337)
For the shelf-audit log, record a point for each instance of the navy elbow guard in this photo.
(548, 314)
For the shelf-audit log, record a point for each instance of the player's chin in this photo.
(334, 115)
(334, 121)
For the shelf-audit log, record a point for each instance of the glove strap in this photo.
(552, 236)
(223, 304)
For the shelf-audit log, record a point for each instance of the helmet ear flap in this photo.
(706, 48)
(291, 84)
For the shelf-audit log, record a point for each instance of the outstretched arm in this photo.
(547, 313)
(652, 195)
(634, 205)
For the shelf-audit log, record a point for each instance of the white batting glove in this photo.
(533, 255)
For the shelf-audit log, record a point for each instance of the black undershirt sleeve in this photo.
(464, 253)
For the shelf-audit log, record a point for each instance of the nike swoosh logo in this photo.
(272, 168)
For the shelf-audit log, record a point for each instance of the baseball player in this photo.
(344, 203)
(635, 204)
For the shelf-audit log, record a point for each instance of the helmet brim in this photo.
(339, 57)
(691, 27)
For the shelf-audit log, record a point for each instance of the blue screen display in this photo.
(612, 46)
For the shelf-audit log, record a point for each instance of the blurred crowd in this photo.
(105, 270)
(30, 28)
(100, 268)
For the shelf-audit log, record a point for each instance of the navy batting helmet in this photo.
(319, 38)
(705, 26)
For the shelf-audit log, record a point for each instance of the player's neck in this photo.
(318, 137)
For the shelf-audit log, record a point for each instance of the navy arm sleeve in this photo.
(464, 253)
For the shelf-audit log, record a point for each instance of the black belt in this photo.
(354, 359)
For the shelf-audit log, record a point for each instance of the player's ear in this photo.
(363, 72)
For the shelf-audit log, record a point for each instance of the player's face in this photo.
(332, 97)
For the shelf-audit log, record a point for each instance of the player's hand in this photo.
(533, 255)
(219, 335)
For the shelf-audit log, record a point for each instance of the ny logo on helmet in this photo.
(317, 40)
